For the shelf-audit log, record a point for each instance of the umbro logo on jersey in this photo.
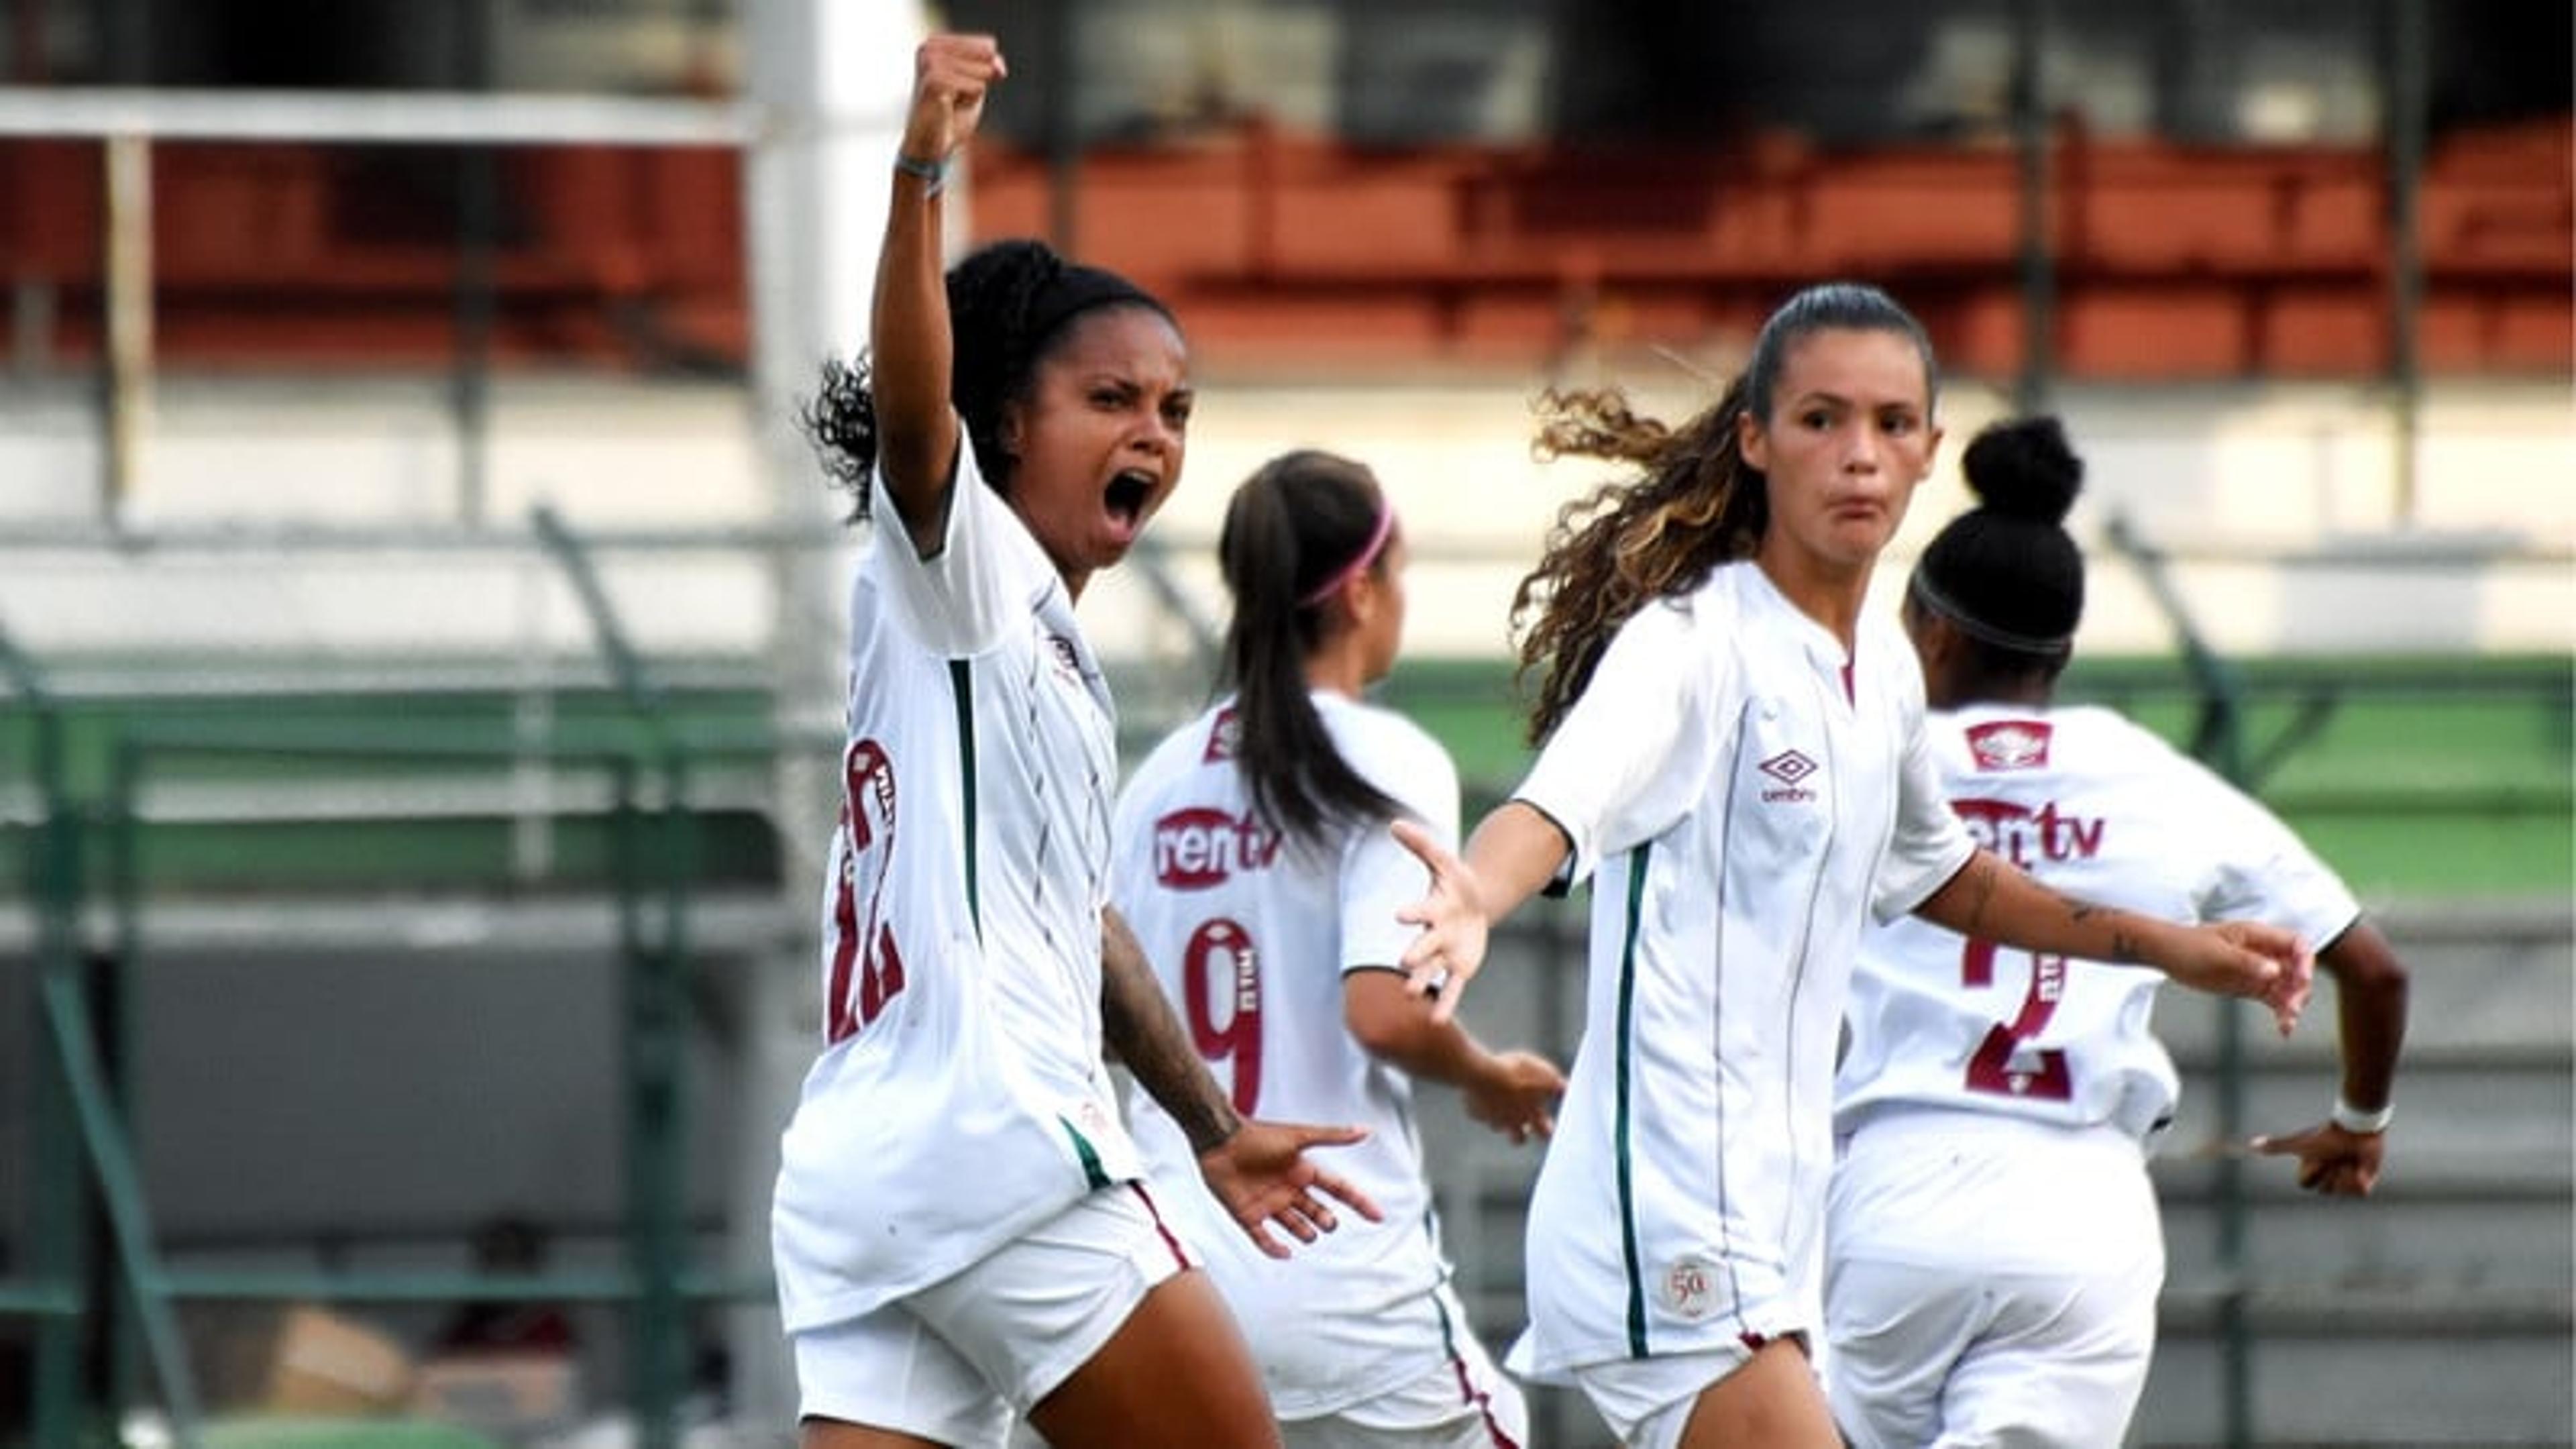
(1790, 768)
(1201, 848)
(2010, 744)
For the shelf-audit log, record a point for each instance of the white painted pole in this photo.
(129, 321)
(834, 76)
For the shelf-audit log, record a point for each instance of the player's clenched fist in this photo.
(950, 74)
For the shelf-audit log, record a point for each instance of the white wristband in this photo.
(2352, 1119)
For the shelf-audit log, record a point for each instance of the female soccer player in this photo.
(1253, 862)
(1993, 1249)
(1738, 757)
(959, 1228)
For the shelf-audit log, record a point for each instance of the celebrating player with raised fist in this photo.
(960, 1226)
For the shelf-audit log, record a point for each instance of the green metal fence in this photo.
(96, 855)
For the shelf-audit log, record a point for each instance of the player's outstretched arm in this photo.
(2341, 1155)
(1262, 1175)
(1258, 1170)
(1513, 854)
(1512, 1092)
(1991, 900)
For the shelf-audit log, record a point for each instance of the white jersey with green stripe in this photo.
(2104, 811)
(1750, 797)
(960, 1097)
(1252, 935)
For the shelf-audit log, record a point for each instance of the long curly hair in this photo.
(1690, 504)
(1009, 304)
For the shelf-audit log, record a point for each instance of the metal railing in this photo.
(77, 1123)
(2218, 740)
(79, 1119)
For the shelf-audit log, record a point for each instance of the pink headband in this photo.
(1367, 555)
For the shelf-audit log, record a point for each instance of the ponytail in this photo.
(1296, 532)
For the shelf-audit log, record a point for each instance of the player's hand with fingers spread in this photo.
(1262, 1175)
(2332, 1161)
(2249, 959)
(950, 74)
(1517, 1096)
(1454, 924)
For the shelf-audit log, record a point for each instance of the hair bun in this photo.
(2025, 468)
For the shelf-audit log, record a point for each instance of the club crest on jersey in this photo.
(1068, 660)
(1689, 1289)
(2010, 744)
(1201, 848)
(1791, 769)
(1225, 736)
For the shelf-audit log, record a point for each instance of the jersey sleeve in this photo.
(2262, 870)
(1929, 844)
(1631, 755)
(986, 572)
(1378, 875)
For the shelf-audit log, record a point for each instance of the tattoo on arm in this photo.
(1987, 868)
(2125, 947)
(1137, 1023)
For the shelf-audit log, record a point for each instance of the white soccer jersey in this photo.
(1251, 936)
(960, 1097)
(2104, 811)
(1748, 800)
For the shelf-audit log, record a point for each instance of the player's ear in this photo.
(1014, 432)
(1935, 641)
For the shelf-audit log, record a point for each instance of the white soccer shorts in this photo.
(953, 1361)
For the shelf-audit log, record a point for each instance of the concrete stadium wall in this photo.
(2281, 500)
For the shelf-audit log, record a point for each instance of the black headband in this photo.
(1939, 603)
(1079, 289)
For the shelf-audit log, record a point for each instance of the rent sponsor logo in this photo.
(2027, 837)
(1202, 848)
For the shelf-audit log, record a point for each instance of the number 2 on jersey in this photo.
(867, 812)
(1991, 1069)
(1219, 964)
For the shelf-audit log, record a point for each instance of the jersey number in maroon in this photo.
(1991, 1069)
(1219, 963)
(867, 947)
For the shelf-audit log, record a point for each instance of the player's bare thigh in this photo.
(1176, 1372)
(1772, 1402)
(834, 1434)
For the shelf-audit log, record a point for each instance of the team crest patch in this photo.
(1792, 769)
(1224, 738)
(1689, 1289)
(2010, 744)
(1068, 661)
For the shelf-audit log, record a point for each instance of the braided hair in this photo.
(1010, 306)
